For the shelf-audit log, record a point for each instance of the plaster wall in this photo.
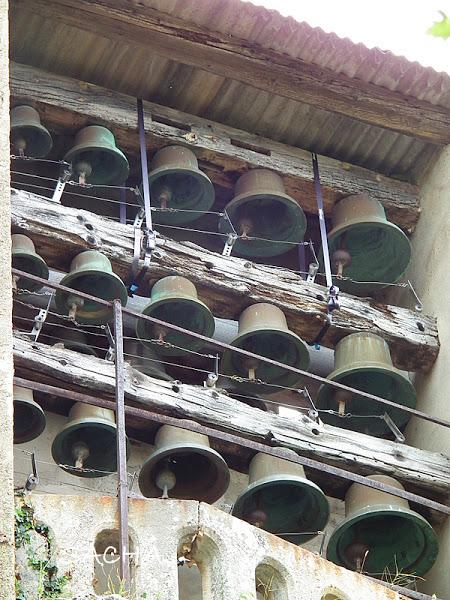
(429, 273)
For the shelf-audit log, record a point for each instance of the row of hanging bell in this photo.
(25, 258)
(94, 157)
(363, 361)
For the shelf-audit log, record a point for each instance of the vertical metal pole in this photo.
(124, 563)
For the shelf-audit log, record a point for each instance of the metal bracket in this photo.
(111, 353)
(212, 378)
(33, 478)
(229, 243)
(313, 413)
(333, 299)
(61, 184)
(40, 318)
(399, 437)
(313, 269)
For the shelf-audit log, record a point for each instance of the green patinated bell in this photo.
(87, 441)
(184, 460)
(262, 209)
(91, 273)
(29, 418)
(176, 182)
(381, 535)
(365, 247)
(174, 300)
(263, 330)
(281, 500)
(28, 136)
(363, 362)
(96, 159)
(25, 258)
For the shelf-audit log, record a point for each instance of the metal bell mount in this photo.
(363, 361)
(87, 441)
(91, 273)
(381, 535)
(29, 418)
(25, 258)
(96, 159)
(263, 330)
(28, 136)
(174, 300)
(280, 499)
(183, 466)
(365, 247)
(177, 183)
(262, 209)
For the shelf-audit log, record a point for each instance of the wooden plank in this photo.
(422, 472)
(226, 284)
(249, 63)
(224, 153)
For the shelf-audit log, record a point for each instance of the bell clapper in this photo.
(80, 452)
(164, 197)
(83, 169)
(257, 518)
(251, 364)
(357, 553)
(245, 227)
(20, 144)
(160, 333)
(166, 481)
(341, 259)
(74, 304)
(342, 397)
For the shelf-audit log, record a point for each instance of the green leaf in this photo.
(440, 28)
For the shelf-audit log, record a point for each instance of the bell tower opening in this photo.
(106, 563)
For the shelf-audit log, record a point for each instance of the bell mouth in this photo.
(292, 505)
(190, 190)
(107, 286)
(282, 346)
(380, 252)
(192, 464)
(38, 140)
(109, 165)
(29, 421)
(99, 436)
(390, 384)
(280, 223)
(399, 540)
(35, 265)
(187, 313)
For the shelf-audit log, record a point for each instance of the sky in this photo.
(396, 25)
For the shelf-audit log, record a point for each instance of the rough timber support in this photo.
(233, 58)
(226, 284)
(66, 105)
(7, 580)
(421, 472)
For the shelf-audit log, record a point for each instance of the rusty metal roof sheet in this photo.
(63, 49)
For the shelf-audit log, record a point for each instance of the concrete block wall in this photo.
(231, 554)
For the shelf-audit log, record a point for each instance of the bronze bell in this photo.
(87, 441)
(73, 339)
(381, 535)
(177, 183)
(174, 300)
(280, 499)
(96, 159)
(365, 247)
(28, 136)
(263, 330)
(262, 209)
(183, 466)
(363, 361)
(145, 360)
(91, 273)
(29, 418)
(25, 258)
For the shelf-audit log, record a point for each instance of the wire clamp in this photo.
(230, 241)
(313, 269)
(40, 319)
(212, 378)
(111, 353)
(61, 183)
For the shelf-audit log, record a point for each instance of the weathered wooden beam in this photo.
(66, 105)
(422, 472)
(239, 59)
(226, 284)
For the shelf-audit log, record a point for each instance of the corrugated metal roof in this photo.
(63, 49)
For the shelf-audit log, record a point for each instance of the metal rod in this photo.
(278, 452)
(322, 224)
(223, 346)
(124, 564)
(144, 165)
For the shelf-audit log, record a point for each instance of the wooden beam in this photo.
(422, 472)
(239, 59)
(66, 105)
(226, 284)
